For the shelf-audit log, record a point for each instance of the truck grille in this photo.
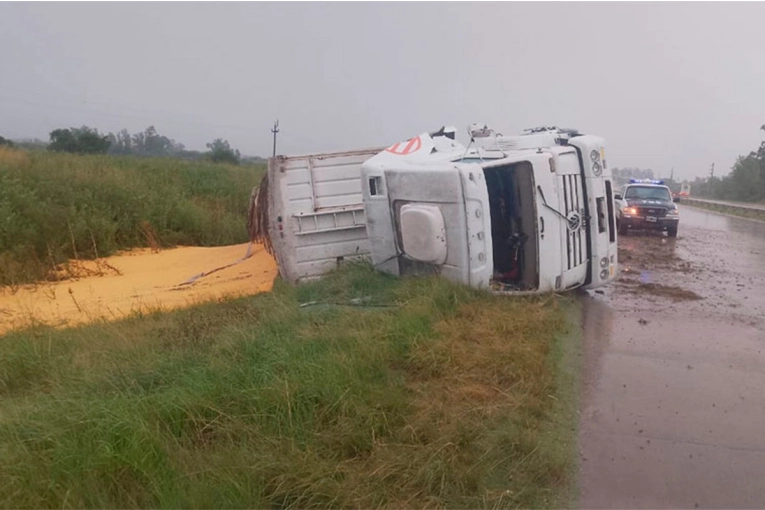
(573, 210)
(657, 212)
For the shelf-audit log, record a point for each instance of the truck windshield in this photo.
(647, 192)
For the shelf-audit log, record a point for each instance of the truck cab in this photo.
(529, 213)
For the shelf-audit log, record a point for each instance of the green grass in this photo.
(560, 431)
(381, 393)
(742, 212)
(56, 207)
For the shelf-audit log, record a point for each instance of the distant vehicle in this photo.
(527, 213)
(685, 189)
(646, 204)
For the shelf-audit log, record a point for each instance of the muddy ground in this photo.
(673, 406)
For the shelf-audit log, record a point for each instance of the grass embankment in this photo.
(381, 392)
(753, 214)
(56, 207)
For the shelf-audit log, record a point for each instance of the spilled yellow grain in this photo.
(138, 280)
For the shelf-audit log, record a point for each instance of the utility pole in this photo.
(672, 174)
(712, 171)
(275, 130)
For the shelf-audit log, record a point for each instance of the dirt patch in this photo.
(651, 256)
(650, 252)
(657, 289)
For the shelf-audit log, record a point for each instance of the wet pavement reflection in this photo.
(673, 401)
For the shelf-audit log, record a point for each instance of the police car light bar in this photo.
(646, 181)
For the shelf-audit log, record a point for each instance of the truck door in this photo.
(573, 231)
(432, 219)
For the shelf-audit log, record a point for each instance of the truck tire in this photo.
(672, 231)
(621, 228)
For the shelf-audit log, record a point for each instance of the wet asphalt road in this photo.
(673, 405)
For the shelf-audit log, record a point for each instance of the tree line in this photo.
(147, 143)
(622, 175)
(745, 183)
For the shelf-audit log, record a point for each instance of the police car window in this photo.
(647, 192)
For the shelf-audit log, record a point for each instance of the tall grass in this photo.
(379, 393)
(55, 207)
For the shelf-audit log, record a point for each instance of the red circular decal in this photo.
(408, 147)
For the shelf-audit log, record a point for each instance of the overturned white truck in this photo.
(527, 213)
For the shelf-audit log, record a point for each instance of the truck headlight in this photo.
(629, 210)
(673, 212)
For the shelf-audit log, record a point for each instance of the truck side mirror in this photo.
(618, 196)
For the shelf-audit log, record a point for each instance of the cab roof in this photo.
(485, 146)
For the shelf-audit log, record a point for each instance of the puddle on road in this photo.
(672, 401)
(138, 280)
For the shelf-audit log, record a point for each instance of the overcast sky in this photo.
(668, 85)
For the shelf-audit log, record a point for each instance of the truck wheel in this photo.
(672, 231)
(622, 228)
